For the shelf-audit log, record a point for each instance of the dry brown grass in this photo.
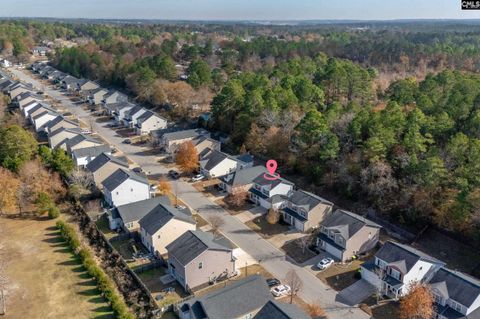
(46, 280)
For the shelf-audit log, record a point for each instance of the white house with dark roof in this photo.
(59, 137)
(162, 225)
(396, 266)
(81, 141)
(304, 210)
(59, 122)
(113, 97)
(456, 295)
(121, 109)
(241, 180)
(197, 258)
(26, 97)
(85, 85)
(127, 216)
(69, 83)
(270, 193)
(39, 109)
(149, 121)
(124, 187)
(131, 116)
(204, 145)
(83, 156)
(344, 234)
(29, 106)
(103, 166)
(243, 298)
(96, 96)
(216, 164)
(40, 120)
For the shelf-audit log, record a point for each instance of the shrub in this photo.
(53, 212)
(273, 216)
(43, 203)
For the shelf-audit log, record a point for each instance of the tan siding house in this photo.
(103, 166)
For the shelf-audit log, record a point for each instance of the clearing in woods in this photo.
(45, 279)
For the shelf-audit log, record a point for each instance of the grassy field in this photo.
(45, 279)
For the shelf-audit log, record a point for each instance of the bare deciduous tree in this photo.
(295, 282)
(82, 178)
(315, 310)
(304, 241)
(418, 304)
(273, 216)
(216, 222)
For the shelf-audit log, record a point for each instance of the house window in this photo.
(158, 236)
(117, 193)
(438, 299)
(200, 265)
(455, 305)
(394, 273)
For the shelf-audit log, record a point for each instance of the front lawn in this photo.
(294, 249)
(265, 229)
(340, 276)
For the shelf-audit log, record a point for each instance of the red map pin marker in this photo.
(272, 166)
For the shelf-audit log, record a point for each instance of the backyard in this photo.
(45, 279)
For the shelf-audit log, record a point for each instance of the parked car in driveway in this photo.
(137, 170)
(281, 290)
(173, 174)
(325, 263)
(272, 282)
(197, 178)
(127, 141)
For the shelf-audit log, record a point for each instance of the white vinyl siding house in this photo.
(123, 187)
(148, 122)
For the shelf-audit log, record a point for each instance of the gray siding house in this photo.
(197, 258)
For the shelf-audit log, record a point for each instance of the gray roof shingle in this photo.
(92, 151)
(183, 134)
(120, 176)
(274, 309)
(243, 176)
(457, 286)
(192, 243)
(233, 301)
(103, 159)
(160, 215)
(347, 223)
(307, 200)
(137, 210)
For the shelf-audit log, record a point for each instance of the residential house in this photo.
(59, 137)
(396, 266)
(81, 141)
(270, 193)
(275, 309)
(162, 225)
(103, 166)
(241, 180)
(59, 122)
(204, 145)
(113, 97)
(197, 258)
(127, 216)
(96, 96)
(37, 65)
(84, 85)
(83, 156)
(304, 210)
(148, 122)
(344, 234)
(216, 164)
(243, 298)
(40, 50)
(29, 106)
(69, 83)
(171, 141)
(124, 187)
(26, 97)
(40, 120)
(15, 89)
(131, 116)
(456, 295)
(5, 83)
(39, 109)
(120, 109)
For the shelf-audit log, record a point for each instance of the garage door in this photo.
(299, 225)
(333, 251)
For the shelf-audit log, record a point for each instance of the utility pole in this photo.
(176, 193)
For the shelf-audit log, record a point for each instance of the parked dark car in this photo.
(127, 141)
(173, 174)
(137, 170)
(272, 282)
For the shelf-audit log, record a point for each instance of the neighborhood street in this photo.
(272, 259)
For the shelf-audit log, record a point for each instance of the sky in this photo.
(239, 9)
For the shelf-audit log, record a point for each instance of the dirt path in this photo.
(45, 279)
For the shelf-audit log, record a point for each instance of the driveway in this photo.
(356, 293)
(271, 258)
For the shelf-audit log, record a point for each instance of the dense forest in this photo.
(386, 115)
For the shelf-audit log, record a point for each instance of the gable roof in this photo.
(160, 215)
(92, 151)
(243, 176)
(456, 285)
(260, 180)
(346, 223)
(183, 134)
(59, 130)
(233, 301)
(134, 110)
(213, 159)
(80, 138)
(192, 243)
(136, 210)
(57, 120)
(99, 89)
(39, 106)
(36, 117)
(246, 158)
(120, 176)
(403, 256)
(103, 159)
(274, 309)
(307, 200)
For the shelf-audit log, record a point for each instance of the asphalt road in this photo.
(272, 259)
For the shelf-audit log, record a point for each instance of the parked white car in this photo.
(197, 178)
(281, 290)
(325, 263)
